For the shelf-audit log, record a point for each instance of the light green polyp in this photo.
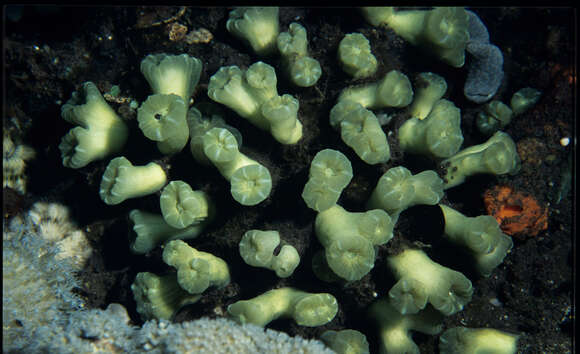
(100, 131)
(354, 53)
(395, 328)
(172, 74)
(360, 129)
(429, 89)
(394, 90)
(258, 26)
(199, 124)
(482, 237)
(462, 340)
(261, 79)
(293, 46)
(228, 87)
(442, 31)
(497, 156)
(251, 183)
(495, 116)
(286, 261)
(162, 118)
(377, 15)
(122, 180)
(446, 31)
(348, 239)
(253, 95)
(439, 135)
(333, 167)
(181, 206)
(281, 112)
(347, 341)
(152, 230)
(196, 271)
(524, 99)
(310, 310)
(330, 173)
(159, 297)
(335, 223)
(318, 195)
(257, 249)
(305, 71)
(398, 190)
(421, 281)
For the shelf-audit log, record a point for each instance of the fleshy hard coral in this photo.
(304, 71)
(100, 131)
(442, 31)
(477, 340)
(258, 26)
(518, 214)
(422, 281)
(253, 95)
(497, 156)
(438, 135)
(306, 309)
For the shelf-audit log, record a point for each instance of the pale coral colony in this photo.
(423, 291)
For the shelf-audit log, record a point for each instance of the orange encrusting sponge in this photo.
(518, 213)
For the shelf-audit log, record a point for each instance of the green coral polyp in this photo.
(306, 309)
(398, 190)
(159, 297)
(438, 135)
(442, 30)
(422, 281)
(293, 45)
(495, 116)
(330, 172)
(524, 99)
(429, 89)
(181, 206)
(250, 182)
(200, 124)
(354, 53)
(395, 328)
(253, 96)
(394, 90)
(481, 235)
(227, 86)
(258, 26)
(347, 341)
(196, 270)
(360, 129)
(162, 118)
(257, 249)
(172, 74)
(152, 230)
(349, 237)
(122, 180)
(100, 132)
(446, 31)
(459, 340)
(281, 112)
(498, 155)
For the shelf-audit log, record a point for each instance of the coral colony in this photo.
(423, 292)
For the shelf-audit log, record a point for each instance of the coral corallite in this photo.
(518, 213)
